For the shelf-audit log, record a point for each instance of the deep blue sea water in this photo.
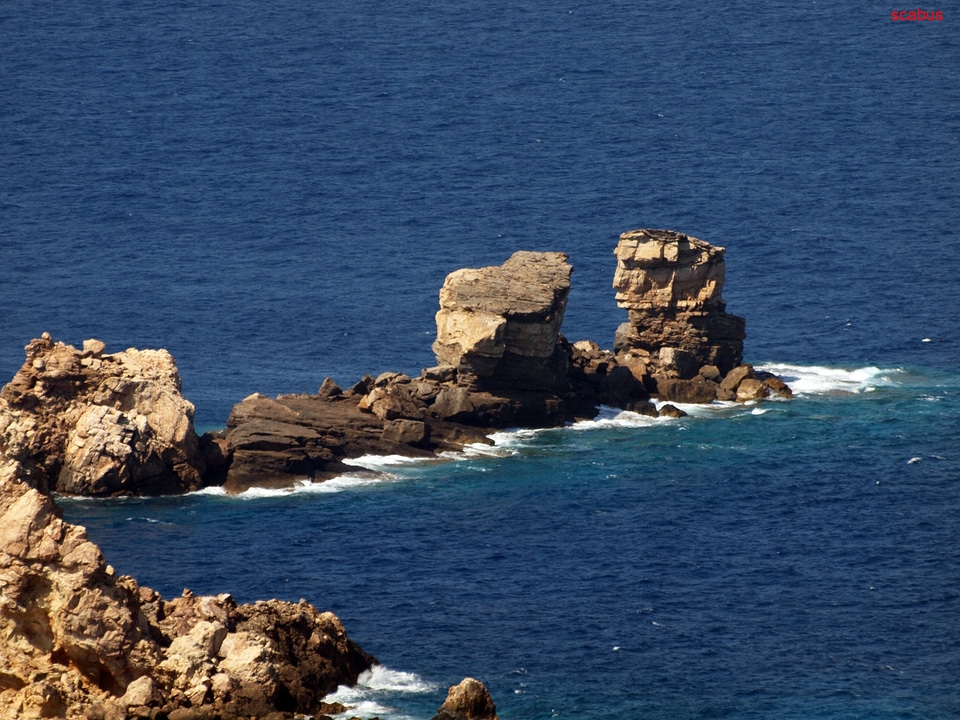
(275, 191)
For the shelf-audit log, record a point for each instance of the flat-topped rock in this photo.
(499, 326)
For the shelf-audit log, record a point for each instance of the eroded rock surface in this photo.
(499, 326)
(671, 285)
(469, 700)
(79, 641)
(90, 423)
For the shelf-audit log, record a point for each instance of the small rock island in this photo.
(82, 642)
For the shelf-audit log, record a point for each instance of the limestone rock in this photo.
(752, 389)
(695, 390)
(79, 641)
(88, 423)
(469, 700)
(499, 326)
(670, 285)
(64, 615)
(408, 432)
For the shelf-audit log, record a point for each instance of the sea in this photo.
(274, 191)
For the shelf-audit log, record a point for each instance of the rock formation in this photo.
(499, 326)
(679, 341)
(469, 700)
(79, 641)
(89, 423)
(671, 285)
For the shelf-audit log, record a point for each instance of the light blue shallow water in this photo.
(275, 193)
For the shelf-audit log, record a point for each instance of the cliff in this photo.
(80, 641)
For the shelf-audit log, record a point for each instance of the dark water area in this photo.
(796, 560)
(246, 185)
(274, 192)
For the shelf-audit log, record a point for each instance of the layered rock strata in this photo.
(80, 641)
(90, 423)
(671, 284)
(499, 326)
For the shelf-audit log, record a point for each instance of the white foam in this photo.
(821, 380)
(374, 688)
(609, 417)
(149, 520)
(304, 487)
(378, 462)
(382, 678)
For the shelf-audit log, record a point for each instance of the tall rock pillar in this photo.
(670, 285)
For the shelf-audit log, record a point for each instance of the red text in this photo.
(916, 15)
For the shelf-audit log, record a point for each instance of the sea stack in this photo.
(671, 284)
(499, 326)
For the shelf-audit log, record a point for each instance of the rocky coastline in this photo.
(84, 422)
(81, 641)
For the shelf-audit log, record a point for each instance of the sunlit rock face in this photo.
(671, 286)
(499, 326)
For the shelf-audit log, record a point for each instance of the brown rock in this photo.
(407, 432)
(439, 374)
(499, 326)
(736, 376)
(697, 390)
(671, 284)
(777, 386)
(619, 387)
(470, 700)
(711, 372)
(86, 423)
(677, 363)
(80, 642)
(671, 411)
(453, 403)
(329, 389)
(752, 389)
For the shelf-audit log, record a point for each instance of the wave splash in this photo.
(374, 691)
(822, 380)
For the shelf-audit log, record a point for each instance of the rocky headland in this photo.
(81, 421)
(81, 641)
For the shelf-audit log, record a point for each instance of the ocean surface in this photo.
(275, 191)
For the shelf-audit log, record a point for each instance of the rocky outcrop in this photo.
(468, 700)
(89, 423)
(278, 441)
(499, 326)
(670, 285)
(79, 641)
(679, 341)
